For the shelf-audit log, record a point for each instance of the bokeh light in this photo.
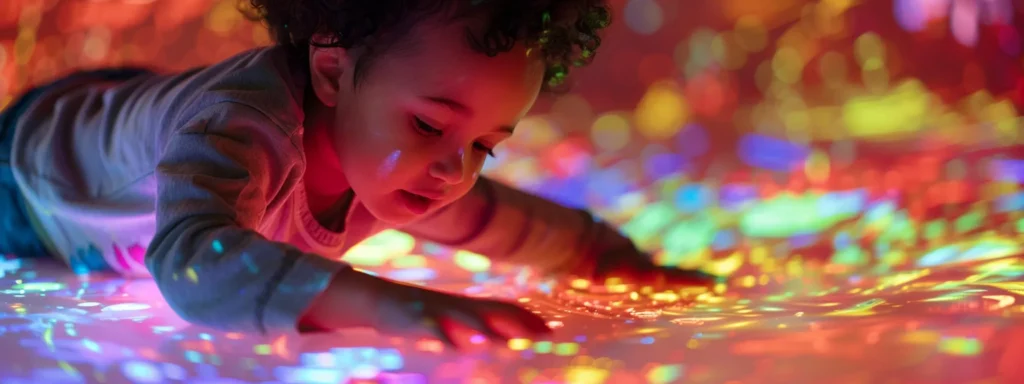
(854, 168)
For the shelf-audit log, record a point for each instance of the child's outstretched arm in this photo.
(514, 226)
(217, 177)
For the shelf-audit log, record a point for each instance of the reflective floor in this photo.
(955, 315)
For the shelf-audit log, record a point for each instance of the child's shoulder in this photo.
(267, 80)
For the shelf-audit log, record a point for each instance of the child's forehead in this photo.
(442, 54)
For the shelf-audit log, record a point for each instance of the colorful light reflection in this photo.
(833, 158)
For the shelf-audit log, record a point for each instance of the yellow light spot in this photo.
(726, 266)
(869, 46)
(191, 275)
(662, 112)
(610, 132)
(580, 284)
(519, 344)
(788, 65)
(748, 281)
(665, 296)
(817, 167)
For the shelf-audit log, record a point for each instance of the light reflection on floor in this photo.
(957, 322)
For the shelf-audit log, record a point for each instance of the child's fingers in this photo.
(532, 324)
(676, 276)
(533, 321)
(652, 275)
(440, 329)
(477, 321)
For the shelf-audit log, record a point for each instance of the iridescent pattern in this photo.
(834, 159)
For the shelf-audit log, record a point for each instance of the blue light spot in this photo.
(218, 247)
(433, 249)
(1008, 170)
(803, 240)
(734, 197)
(771, 153)
(580, 339)
(481, 277)
(141, 372)
(660, 165)
(647, 340)
(724, 239)
(842, 240)
(391, 360)
(413, 274)
(1010, 203)
(310, 375)
(609, 184)
(193, 357)
(938, 257)
(692, 198)
(570, 192)
(174, 372)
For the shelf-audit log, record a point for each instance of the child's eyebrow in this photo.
(463, 109)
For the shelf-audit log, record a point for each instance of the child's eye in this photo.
(425, 128)
(429, 130)
(485, 149)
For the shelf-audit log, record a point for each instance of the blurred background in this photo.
(854, 133)
(856, 167)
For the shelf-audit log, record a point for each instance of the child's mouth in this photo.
(416, 204)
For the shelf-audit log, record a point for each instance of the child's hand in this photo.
(633, 266)
(356, 299)
(415, 311)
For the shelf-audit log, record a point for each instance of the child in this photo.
(238, 186)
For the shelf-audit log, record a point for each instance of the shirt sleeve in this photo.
(510, 225)
(216, 178)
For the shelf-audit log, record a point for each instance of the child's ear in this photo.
(327, 66)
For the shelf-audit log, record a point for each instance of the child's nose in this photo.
(452, 169)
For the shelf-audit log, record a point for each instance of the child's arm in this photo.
(216, 178)
(514, 226)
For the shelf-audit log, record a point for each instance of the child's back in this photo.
(87, 155)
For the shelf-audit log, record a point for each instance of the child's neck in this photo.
(324, 180)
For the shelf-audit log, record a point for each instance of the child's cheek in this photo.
(388, 166)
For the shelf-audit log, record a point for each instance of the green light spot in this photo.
(542, 347)
(472, 262)
(262, 349)
(788, 216)
(690, 236)
(850, 256)
(968, 222)
(665, 374)
(935, 229)
(960, 346)
(649, 222)
(567, 349)
(39, 287)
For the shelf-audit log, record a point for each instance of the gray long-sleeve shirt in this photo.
(195, 179)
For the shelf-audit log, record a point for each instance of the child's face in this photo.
(413, 135)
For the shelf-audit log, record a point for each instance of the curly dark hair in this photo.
(566, 31)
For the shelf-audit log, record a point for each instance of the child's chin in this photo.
(393, 214)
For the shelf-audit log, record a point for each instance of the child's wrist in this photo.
(345, 303)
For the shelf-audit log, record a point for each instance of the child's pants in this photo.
(16, 234)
